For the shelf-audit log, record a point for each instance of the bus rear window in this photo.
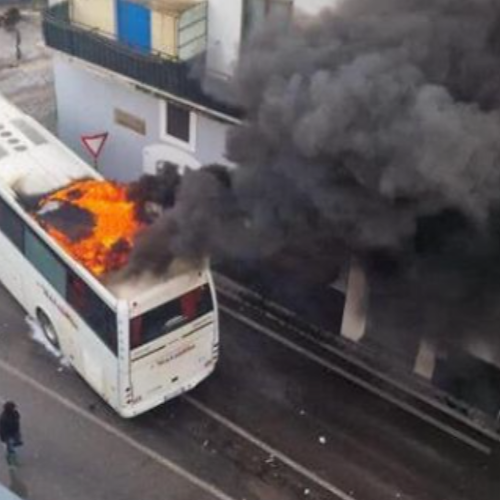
(170, 316)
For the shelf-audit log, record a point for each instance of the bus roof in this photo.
(33, 162)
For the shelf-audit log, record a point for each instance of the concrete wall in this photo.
(123, 155)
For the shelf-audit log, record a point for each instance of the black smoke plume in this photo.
(159, 189)
(372, 129)
(198, 214)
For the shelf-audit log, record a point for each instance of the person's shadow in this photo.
(17, 485)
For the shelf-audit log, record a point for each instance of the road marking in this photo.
(269, 449)
(358, 381)
(200, 483)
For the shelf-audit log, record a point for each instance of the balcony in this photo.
(153, 69)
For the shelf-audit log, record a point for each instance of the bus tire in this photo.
(48, 328)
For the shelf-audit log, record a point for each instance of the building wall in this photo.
(123, 156)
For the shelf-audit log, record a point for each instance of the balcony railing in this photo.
(172, 76)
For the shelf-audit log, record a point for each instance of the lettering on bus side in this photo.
(175, 355)
(52, 298)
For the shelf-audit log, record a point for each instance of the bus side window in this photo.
(93, 311)
(11, 225)
(40, 255)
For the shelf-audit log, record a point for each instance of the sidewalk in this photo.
(29, 83)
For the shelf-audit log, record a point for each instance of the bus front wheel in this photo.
(48, 328)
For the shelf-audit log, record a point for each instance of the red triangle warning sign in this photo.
(94, 143)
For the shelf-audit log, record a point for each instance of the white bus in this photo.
(137, 343)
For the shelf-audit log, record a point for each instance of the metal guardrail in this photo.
(152, 69)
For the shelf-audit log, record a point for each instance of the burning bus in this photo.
(66, 236)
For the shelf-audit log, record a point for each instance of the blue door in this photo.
(134, 25)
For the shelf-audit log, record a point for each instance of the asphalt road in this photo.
(271, 424)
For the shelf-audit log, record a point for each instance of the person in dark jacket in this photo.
(10, 430)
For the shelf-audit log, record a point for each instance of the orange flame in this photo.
(115, 224)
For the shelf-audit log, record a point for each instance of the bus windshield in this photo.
(170, 316)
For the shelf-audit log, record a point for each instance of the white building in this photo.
(125, 67)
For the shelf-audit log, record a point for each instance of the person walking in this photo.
(10, 431)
